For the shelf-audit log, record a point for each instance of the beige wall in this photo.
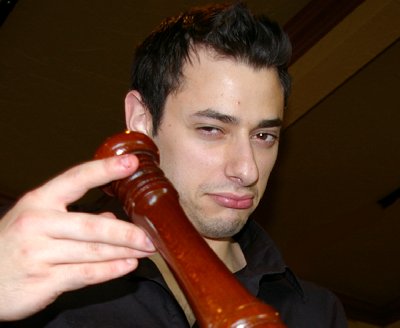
(357, 324)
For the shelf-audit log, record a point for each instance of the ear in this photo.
(137, 116)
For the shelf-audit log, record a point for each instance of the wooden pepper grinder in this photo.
(216, 297)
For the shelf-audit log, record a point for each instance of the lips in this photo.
(233, 201)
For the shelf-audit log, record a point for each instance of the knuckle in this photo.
(109, 215)
(129, 235)
(30, 198)
(74, 172)
(89, 225)
(32, 195)
(33, 254)
(35, 274)
(25, 220)
(135, 237)
(117, 268)
(34, 271)
(26, 252)
(88, 273)
(94, 248)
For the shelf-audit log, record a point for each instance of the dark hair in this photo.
(230, 30)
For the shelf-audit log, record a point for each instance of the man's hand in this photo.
(46, 250)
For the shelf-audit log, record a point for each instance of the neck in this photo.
(228, 252)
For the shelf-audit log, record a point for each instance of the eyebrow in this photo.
(276, 122)
(224, 118)
(213, 114)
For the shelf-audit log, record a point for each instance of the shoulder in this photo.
(324, 304)
(301, 303)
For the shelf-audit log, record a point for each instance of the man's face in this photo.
(218, 141)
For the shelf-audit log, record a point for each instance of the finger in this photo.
(109, 215)
(95, 228)
(69, 251)
(74, 276)
(74, 183)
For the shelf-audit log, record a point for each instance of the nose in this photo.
(241, 166)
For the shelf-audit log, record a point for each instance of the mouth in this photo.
(233, 201)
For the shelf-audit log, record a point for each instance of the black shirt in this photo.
(142, 298)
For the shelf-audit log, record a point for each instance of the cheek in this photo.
(266, 165)
(185, 167)
(197, 163)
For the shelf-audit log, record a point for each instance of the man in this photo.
(209, 87)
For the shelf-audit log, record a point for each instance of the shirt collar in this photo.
(262, 257)
(259, 250)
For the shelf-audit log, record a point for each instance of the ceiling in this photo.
(64, 70)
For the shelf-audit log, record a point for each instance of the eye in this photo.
(208, 130)
(267, 138)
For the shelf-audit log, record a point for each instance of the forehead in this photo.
(225, 84)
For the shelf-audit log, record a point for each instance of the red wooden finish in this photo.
(215, 295)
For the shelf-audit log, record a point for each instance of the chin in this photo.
(220, 228)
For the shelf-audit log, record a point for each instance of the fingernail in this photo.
(130, 261)
(125, 161)
(150, 244)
